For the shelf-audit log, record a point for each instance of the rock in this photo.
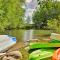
(8, 58)
(15, 54)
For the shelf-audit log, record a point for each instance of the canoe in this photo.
(6, 42)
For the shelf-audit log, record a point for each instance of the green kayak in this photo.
(41, 54)
(44, 50)
(44, 45)
(50, 44)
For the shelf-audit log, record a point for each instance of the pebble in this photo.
(15, 54)
(11, 55)
(8, 58)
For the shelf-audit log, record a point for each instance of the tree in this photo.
(11, 13)
(48, 9)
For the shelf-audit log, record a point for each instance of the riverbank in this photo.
(22, 35)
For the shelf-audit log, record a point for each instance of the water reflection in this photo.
(28, 35)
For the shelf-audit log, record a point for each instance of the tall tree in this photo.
(48, 9)
(11, 13)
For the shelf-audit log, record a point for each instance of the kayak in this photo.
(56, 55)
(42, 51)
(41, 54)
(44, 45)
(45, 50)
(6, 42)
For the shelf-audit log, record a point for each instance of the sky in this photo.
(58, 0)
(30, 7)
(28, 1)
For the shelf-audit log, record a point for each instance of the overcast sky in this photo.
(28, 1)
(58, 0)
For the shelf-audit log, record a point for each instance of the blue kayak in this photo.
(6, 42)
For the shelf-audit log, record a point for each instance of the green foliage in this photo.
(54, 24)
(11, 14)
(48, 9)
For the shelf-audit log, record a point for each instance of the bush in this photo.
(48, 9)
(54, 24)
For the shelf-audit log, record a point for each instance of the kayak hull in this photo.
(44, 45)
(6, 42)
(41, 54)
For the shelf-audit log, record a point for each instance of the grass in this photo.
(42, 32)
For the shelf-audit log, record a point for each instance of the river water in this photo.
(24, 36)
